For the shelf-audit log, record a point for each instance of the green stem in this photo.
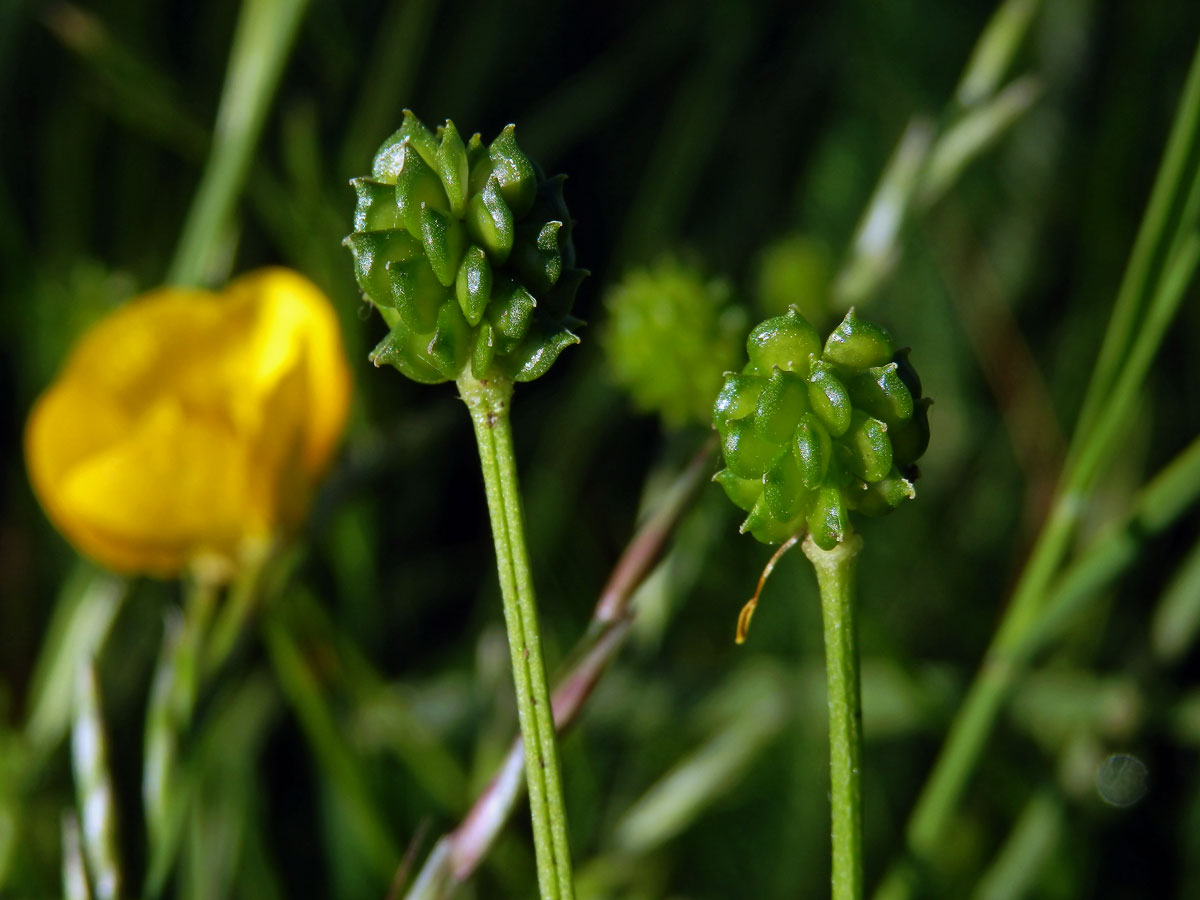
(173, 693)
(1035, 839)
(835, 577)
(1163, 262)
(306, 695)
(266, 31)
(488, 402)
(1162, 222)
(260, 581)
(195, 646)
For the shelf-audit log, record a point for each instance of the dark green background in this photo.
(710, 130)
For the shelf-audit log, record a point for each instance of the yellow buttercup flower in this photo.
(187, 428)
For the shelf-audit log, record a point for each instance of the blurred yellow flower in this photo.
(187, 428)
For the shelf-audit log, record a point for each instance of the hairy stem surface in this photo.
(835, 577)
(488, 402)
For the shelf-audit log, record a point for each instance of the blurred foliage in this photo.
(669, 335)
(372, 700)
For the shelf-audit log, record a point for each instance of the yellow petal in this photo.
(297, 321)
(189, 425)
(194, 499)
(278, 495)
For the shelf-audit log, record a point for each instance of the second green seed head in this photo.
(811, 430)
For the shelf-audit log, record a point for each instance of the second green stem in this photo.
(488, 401)
(835, 577)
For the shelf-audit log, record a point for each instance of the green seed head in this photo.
(671, 335)
(466, 251)
(811, 431)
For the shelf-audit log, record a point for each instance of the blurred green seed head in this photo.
(671, 336)
(795, 270)
(811, 430)
(466, 250)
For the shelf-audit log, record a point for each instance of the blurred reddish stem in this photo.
(1004, 358)
(458, 854)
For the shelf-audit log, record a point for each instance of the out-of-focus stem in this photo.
(265, 34)
(94, 788)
